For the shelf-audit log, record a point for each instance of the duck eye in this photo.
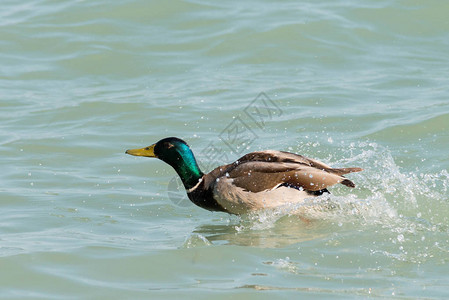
(147, 148)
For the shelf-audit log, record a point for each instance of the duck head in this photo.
(177, 154)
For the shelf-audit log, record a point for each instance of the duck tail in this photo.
(348, 183)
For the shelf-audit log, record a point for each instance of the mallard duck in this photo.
(257, 180)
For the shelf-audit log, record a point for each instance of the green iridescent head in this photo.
(177, 154)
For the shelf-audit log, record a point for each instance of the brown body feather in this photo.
(265, 170)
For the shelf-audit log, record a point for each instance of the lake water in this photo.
(352, 83)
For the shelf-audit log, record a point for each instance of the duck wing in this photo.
(265, 170)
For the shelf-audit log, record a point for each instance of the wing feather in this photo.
(265, 170)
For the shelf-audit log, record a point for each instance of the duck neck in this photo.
(187, 168)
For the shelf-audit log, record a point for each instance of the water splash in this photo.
(406, 210)
(196, 240)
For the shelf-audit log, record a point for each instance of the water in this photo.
(354, 83)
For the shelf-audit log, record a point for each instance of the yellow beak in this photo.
(147, 151)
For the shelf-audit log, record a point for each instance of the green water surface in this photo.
(351, 83)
